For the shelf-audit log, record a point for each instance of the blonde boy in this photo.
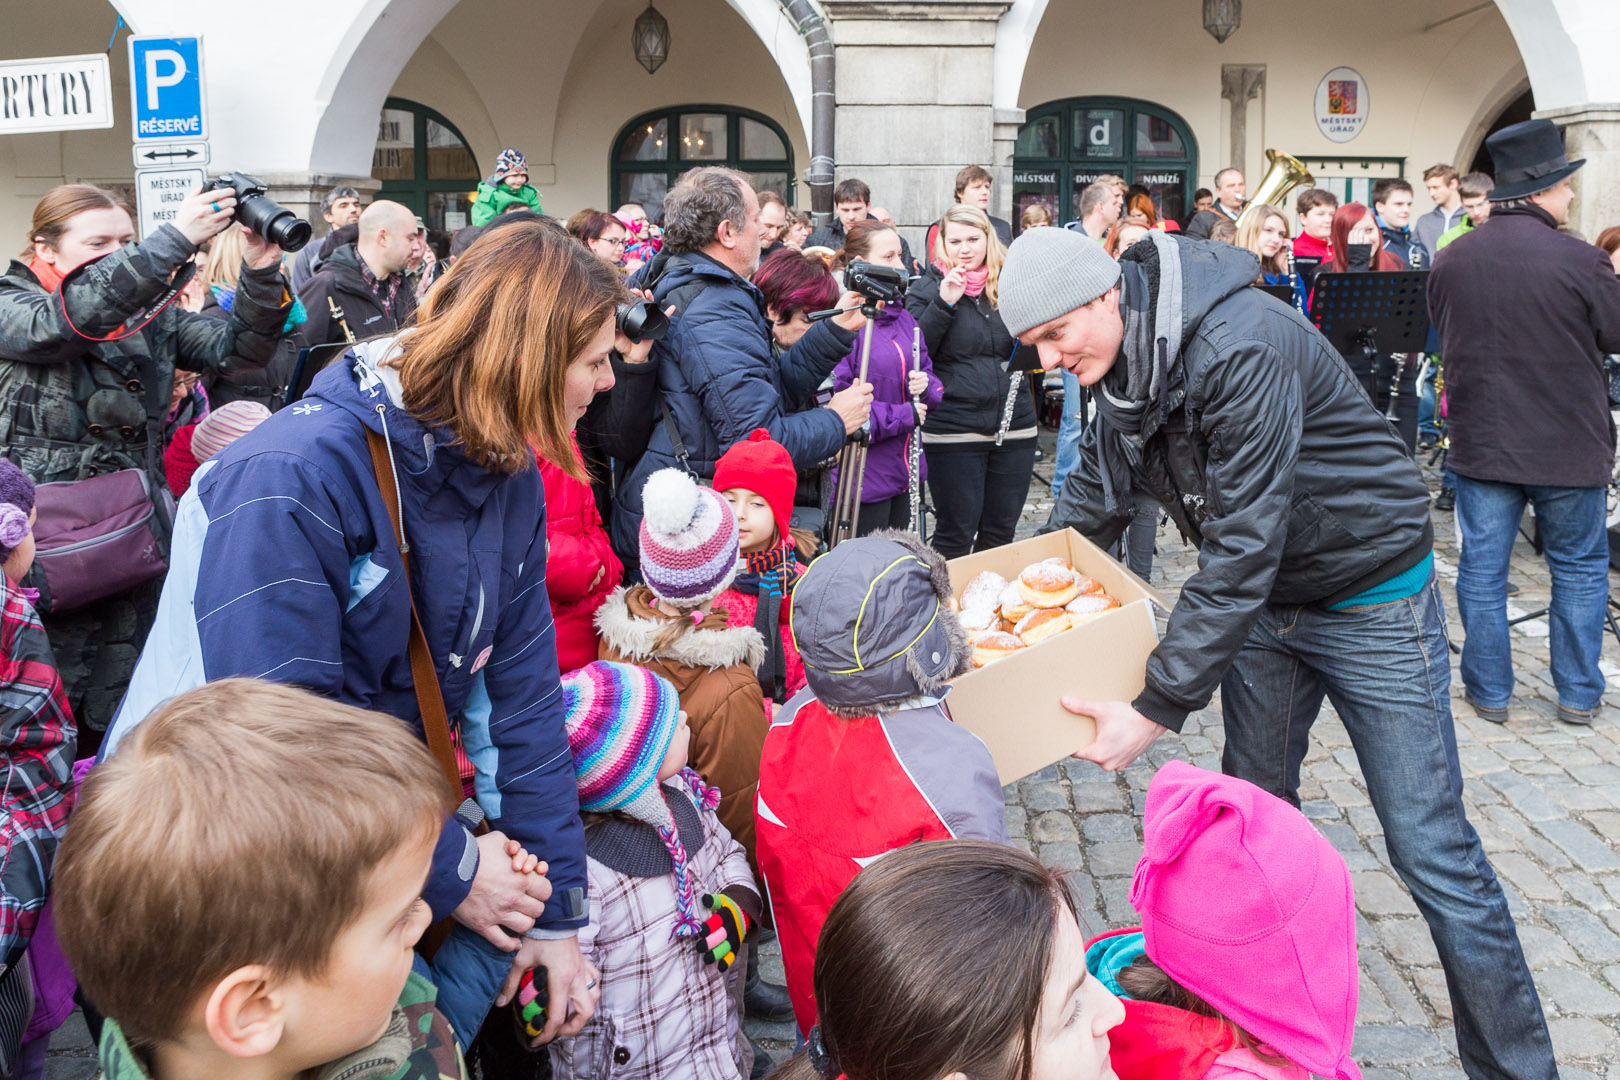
(241, 900)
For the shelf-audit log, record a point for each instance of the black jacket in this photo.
(831, 235)
(340, 281)
(1198, 228)
(266, 385)
(1404, 243)
(971, 351)
(1269, 457)
(1525, 315)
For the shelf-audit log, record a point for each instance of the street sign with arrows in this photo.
(171, 155)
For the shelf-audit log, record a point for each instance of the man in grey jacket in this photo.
(340, 207)
(1315, 578)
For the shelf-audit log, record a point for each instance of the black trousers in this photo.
(978, 491)
(892, 513)
(1379, 377)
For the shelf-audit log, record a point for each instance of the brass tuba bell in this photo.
(1284, 173)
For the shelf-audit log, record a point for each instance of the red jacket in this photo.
(836, 794)
(577, 550)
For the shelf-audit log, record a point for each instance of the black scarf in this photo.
(1137, 380)
(770, 575)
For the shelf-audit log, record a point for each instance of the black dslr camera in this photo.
(262, 214)
(876, 282)
(640, 320)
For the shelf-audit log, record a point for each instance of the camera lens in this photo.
(288, 232)
(640, 320)
(271, 220)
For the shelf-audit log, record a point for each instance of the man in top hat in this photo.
(1525, 314)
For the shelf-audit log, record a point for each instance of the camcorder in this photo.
(640, 320)
(876, 282)
(261, 213)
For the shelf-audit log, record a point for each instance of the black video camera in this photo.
(640, 320)
(261, 213)
(876, 282)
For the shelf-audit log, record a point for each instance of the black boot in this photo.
(1446, 500)
(762, 1061)
(763, 1000)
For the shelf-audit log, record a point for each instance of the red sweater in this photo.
(577, 550)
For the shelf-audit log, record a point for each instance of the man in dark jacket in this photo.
(1525, 314)
(1315, 576)
(364, 281)
(1229, 192)
(718, 376)
(852, 202)
(340, 207)
(1392, 206)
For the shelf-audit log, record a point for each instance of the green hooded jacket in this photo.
(496, 199)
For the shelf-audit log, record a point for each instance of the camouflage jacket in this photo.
(418, 1045)
(72, 407)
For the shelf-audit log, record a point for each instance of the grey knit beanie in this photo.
(1050, 272)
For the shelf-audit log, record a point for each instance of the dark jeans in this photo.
(1379, 378)
(893, 513)
(1136, 547)
(1387, 670)
(1576, 545)
(978, 491)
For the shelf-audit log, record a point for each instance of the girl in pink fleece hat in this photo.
(1248, 924)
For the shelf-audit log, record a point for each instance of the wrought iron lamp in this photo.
(1221, 18)
(650, 37)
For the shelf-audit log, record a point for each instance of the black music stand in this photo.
(1284, 293)
(1372, 313)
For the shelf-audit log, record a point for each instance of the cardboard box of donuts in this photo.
(1049, 617)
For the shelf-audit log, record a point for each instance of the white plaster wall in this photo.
(1427, 89)
(561, 89)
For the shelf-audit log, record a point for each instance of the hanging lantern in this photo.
(650, 38)
(1221, 18)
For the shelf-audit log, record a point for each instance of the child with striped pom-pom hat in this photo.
(671, 895)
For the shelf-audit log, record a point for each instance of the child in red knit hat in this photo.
(757, 478)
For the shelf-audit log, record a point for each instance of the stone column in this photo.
(1592, 132)
(1241, 84)
(914, 102)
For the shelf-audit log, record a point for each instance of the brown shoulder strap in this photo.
(429, 699)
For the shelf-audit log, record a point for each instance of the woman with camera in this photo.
(980, 441)
(407, 474)
(221, 276)
(86, 371)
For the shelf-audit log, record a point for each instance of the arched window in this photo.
(423, 162)
(1066, 145)
(656, 147)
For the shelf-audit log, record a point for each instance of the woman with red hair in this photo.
(1358, 248)
(794, 285)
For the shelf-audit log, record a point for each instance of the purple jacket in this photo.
(893, 418)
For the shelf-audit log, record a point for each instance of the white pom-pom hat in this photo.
(688, 539)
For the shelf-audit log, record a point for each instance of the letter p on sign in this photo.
(156, 81)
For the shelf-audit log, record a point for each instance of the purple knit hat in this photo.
(621, 720)
(688, 539)
(16, 501)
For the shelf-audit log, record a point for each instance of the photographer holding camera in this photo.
(90, 337)
(717, 377)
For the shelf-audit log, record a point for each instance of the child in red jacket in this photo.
(756, 477)
(581, 569)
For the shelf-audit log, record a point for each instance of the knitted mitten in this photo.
(723, 933)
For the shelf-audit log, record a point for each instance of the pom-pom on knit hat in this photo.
(621, 720)
(224, 425)
(509, 161)
(762, 465)
(1245, 904)
(16, 502)
(688, 539)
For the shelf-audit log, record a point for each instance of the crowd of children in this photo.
(759, 746)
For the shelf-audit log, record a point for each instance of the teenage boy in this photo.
(852, 202)
(1475, 191)
(973, 189)
(1443, 183)
(1314, 244)
(239, 903)
(1315, 574)
(1392, 209)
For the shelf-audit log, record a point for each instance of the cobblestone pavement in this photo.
(1544, 796)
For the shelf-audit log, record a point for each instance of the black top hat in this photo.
(1529, 157)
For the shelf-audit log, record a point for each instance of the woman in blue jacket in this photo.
(286, 566)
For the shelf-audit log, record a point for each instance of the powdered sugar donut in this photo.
(1045, 585)
(1089, 606)
(1041, 624)
(977, 621)
(988, 648)
(1013, 604)
(983, 592)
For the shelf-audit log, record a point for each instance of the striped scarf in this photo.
(770, 575)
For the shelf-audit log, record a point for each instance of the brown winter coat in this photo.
(712, 668)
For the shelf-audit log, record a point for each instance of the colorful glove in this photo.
(531, 1001)
(723, 933)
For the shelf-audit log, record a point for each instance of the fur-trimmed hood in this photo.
(634, 637)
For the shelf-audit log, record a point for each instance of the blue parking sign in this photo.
(166, 89)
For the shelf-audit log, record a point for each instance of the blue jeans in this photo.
(1576, 546)
(469, 972)
(1069, 429)
(1387, 670)
(1426, 402)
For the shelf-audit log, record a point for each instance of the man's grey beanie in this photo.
(1050, 272)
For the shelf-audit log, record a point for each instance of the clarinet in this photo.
(1295, 284)
(1013, 384)
(337, 314)
(914, 451)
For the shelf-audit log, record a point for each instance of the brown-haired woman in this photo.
(219, 278)
(914, 984)
(288, 566)
(83, 395)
